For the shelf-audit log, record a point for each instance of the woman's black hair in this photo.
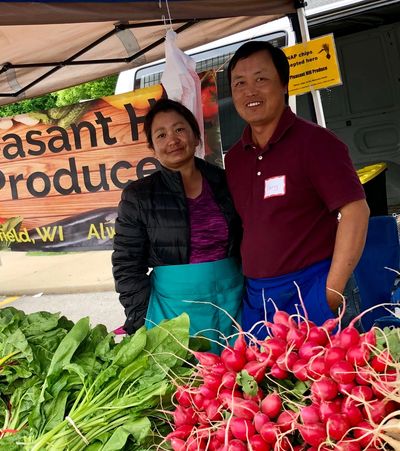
(163, 106)
(278, 56)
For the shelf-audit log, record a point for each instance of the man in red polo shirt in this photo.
(290, 179)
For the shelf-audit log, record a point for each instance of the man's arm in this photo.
(349, 245)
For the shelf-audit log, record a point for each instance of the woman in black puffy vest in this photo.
(181, 222)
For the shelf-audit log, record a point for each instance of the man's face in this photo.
(257, 91)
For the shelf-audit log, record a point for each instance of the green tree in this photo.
(90, 90)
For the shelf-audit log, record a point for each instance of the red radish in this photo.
(369, 338)
(352, 412)
(283, 444)
(358, 355)
(380, 362)
(318, 336)
(182, 432)
(328, 408)
(364, 433)
(391, 406)
(218, 369)
(236, 445)
(212, 381)
(213, 410)
(281, 317)
(364, 376)
(207, 392)
(233, 360)
(330, 324)
(240, 344)
(313, 434)
(309, 349)
(349, 337)
(375, 409)
(278, 330)
(198, 401)
(241, 408)
(182, 396)
(347, 445)
(278, 373)
(295, 337)
(337, 426)
(229, 379)
(241, 428)
(317, 367)
(228, 392)
(259, 420)
(300, 370)
(258, 444)
(309, 414)
(333, 355)
(267, 358)
(390, 375)
(286, 420)
(251, 353)
(271, 405)
(178, 444)
(305, 326)
(276, 346)
(362, 392)
(269, 432)
(215, 444)
(286, 361)
(325, 389)
(184, 416)
(223, 434)
(195, 444)
(345, 389)
(207, 359)
(256, 369)
(342, 372)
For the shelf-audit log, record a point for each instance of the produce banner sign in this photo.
(62, 170)
(313, 65)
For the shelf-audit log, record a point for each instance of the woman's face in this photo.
(173, 139)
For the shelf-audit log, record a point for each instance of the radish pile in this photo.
(303, 388)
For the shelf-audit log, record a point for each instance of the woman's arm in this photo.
(130, 266)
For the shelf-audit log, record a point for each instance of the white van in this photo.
(364, 111)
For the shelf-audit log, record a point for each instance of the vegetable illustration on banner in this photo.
(62, 170)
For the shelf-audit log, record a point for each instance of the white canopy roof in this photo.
(50, 46)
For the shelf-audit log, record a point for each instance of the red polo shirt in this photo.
(288, 195)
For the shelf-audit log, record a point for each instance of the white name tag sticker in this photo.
(275, 186)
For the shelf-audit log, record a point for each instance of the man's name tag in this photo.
(275, 186)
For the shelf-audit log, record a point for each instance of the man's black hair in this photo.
(278, 58)
(163, 106)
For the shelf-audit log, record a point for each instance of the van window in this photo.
(231, 124)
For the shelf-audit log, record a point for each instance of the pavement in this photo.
(24, 273)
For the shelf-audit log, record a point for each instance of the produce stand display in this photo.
(67, 386)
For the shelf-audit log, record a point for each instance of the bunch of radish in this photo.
(302, 388)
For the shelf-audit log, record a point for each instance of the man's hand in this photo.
(349, 244)
(334, 299)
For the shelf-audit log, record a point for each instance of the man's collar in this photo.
(286, 120)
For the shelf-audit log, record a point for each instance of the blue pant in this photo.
(261, 295)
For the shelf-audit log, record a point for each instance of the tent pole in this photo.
(305, 36)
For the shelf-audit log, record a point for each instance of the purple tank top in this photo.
(208, 228)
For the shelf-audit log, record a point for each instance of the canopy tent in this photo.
(49, 46)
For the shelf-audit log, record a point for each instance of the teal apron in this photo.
(219, 282)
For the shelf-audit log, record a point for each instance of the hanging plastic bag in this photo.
(182, 83)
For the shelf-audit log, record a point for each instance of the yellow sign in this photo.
(313, 65)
